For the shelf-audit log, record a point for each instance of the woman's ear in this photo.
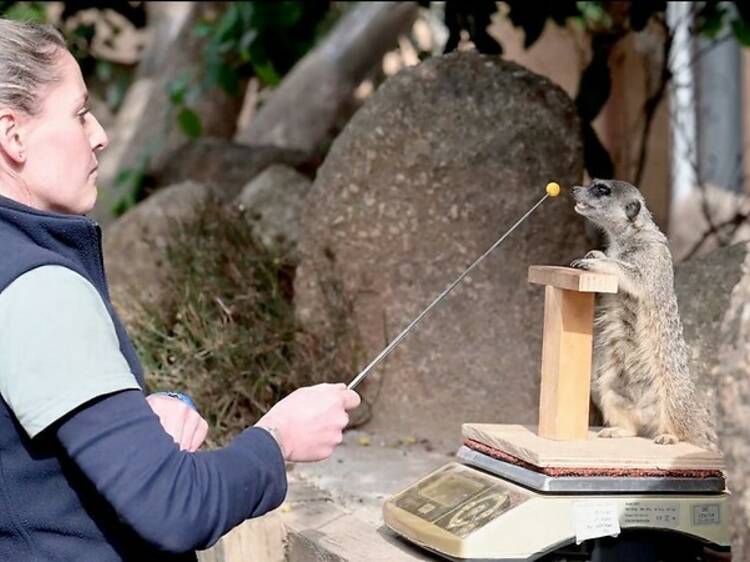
(11, 143)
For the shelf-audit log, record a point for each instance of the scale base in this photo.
(464, 513)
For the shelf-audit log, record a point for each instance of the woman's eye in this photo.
(83, 113)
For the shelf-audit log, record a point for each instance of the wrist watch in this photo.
(276, 436)
(181, 397)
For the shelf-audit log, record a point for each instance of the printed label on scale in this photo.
(707, 514)
(663, 514)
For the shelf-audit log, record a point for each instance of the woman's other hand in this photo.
(183, 423)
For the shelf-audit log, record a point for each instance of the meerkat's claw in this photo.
(594, 255)
(615, 432)
(581, 263)
(666, 439)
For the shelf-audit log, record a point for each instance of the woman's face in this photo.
(60, 168)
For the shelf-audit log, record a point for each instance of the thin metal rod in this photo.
(364, 372)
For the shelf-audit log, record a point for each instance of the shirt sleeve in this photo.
(58, 347)
(175, 500)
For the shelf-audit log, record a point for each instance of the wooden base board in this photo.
(523, 443)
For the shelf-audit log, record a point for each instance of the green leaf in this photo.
(266, 73)
(227, 78)
(115, 93)
(230, 25)
(741, 31)
(104, 70)
(190, 123)
(246, 42)
(177, 89)
(202, 29)
(27, 11)
(710, 19)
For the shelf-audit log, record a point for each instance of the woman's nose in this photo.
(98, 139)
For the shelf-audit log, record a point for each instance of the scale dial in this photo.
(459, 499)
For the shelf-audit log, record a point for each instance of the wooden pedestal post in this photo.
(567, 348)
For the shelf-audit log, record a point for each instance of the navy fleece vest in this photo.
(48, 509)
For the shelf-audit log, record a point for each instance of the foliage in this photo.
(225, 332)
(248, 39)
(111, 77)
(239, 40)
(606, 23)
(24, 11)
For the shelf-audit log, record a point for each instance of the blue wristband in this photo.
(181, 397)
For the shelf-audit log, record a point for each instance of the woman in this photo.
(87, 472)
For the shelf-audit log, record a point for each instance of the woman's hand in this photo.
(183, 423)
(310, 421)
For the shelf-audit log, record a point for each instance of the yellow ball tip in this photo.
(553, 189)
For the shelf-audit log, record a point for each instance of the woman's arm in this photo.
(176, 500)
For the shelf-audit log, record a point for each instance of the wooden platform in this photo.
(572, 279)
(523, 443)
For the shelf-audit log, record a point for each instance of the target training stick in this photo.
(552, 189)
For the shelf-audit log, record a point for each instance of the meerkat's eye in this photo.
(601, 190)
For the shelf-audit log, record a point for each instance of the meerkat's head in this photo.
(613, 205)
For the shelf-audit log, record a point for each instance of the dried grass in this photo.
(225, 332)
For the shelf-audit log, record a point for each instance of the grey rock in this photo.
(224, 166)
(713, 293)
(134, 245)
(733, 397)
(273, 203)
(443, 158)
(704, 289)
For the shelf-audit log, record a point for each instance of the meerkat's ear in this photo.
(632, 209)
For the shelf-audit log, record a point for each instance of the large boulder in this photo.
(273, 202)
(733, 392)
(713, 292)
(135, 244)
(704, 289)
(438, 162)
(224, 166)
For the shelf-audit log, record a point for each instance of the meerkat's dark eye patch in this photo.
(632, 209)
(601, 190)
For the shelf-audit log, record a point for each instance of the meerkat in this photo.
(641, 381)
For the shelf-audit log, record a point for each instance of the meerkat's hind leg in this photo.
(666, 439)
(615, 432)
(620, 419)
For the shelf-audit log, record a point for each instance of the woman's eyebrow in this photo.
(83, 99)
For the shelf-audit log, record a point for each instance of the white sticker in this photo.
(595, 519)
(665, 514)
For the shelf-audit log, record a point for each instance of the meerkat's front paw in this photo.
(590, 261)
(594, 255)
(666, 439)
(615, 432)
(582, 263)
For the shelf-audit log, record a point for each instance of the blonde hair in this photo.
(28, 56)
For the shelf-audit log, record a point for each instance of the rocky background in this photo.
(387, 198)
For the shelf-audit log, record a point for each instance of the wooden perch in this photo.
(567, 348)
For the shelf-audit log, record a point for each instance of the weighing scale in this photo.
(518, 493)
